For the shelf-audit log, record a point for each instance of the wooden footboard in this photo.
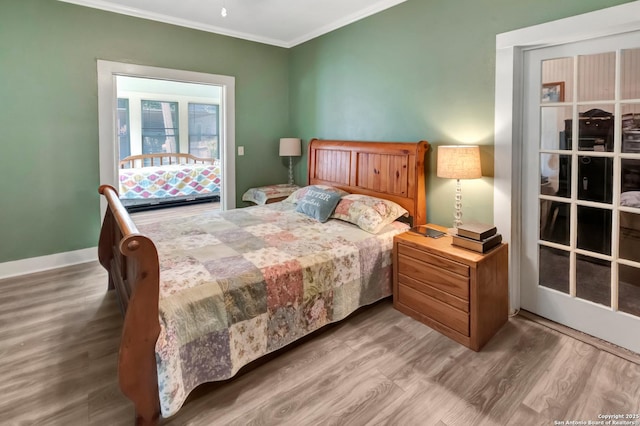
(132, 261)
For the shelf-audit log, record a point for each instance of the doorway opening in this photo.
(168, 142)
(166, 136)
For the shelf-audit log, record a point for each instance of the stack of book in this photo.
(478, 237)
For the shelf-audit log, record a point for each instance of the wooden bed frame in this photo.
(162, 159)
(390, 170)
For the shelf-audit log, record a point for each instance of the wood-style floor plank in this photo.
(60, 331)
(149, 216)
(612, 388)
(563, 381)
(494, 401)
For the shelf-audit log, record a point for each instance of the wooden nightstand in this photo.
(269, 194)
(458, 292)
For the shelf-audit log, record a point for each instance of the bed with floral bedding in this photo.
(237, 285)
(205, 295)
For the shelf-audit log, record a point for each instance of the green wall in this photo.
(422, 70)
(49, 117)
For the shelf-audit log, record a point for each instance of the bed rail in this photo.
(131, 259)
(162, 159)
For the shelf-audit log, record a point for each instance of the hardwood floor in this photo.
(177, 211)
(59, 338)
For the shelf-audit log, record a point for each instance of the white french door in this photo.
(580, 262)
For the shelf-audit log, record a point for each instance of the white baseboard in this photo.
(44, 263)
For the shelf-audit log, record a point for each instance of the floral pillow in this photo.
(369, 213)
(300, 193)
(318, 204)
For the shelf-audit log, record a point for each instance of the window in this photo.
(159, 127)
(203, 130)
(124, 137)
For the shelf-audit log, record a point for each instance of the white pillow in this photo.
(630, 199)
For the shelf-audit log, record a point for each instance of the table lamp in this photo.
(458, 162)
(290, 147)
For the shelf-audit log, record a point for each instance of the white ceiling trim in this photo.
(350, 19)
(138, 13)
(145, 14)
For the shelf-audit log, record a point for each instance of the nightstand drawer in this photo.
(434, 260)
(442, 296)
(441, 279)
(434, 309)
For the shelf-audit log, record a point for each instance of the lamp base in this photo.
(457, 216)
(290, 170)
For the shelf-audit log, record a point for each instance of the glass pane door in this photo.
(582, 185)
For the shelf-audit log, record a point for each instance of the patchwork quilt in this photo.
(172, 180)
(239, 284)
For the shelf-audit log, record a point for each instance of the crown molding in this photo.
(343, 22)
(144, 14)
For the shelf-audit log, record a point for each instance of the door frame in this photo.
(509, 98)
(107, 98)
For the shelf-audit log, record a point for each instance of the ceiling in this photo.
(284, 23)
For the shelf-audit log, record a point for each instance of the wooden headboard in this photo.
(390, 170)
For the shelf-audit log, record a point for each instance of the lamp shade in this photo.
(290, 147)
(459, 162)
